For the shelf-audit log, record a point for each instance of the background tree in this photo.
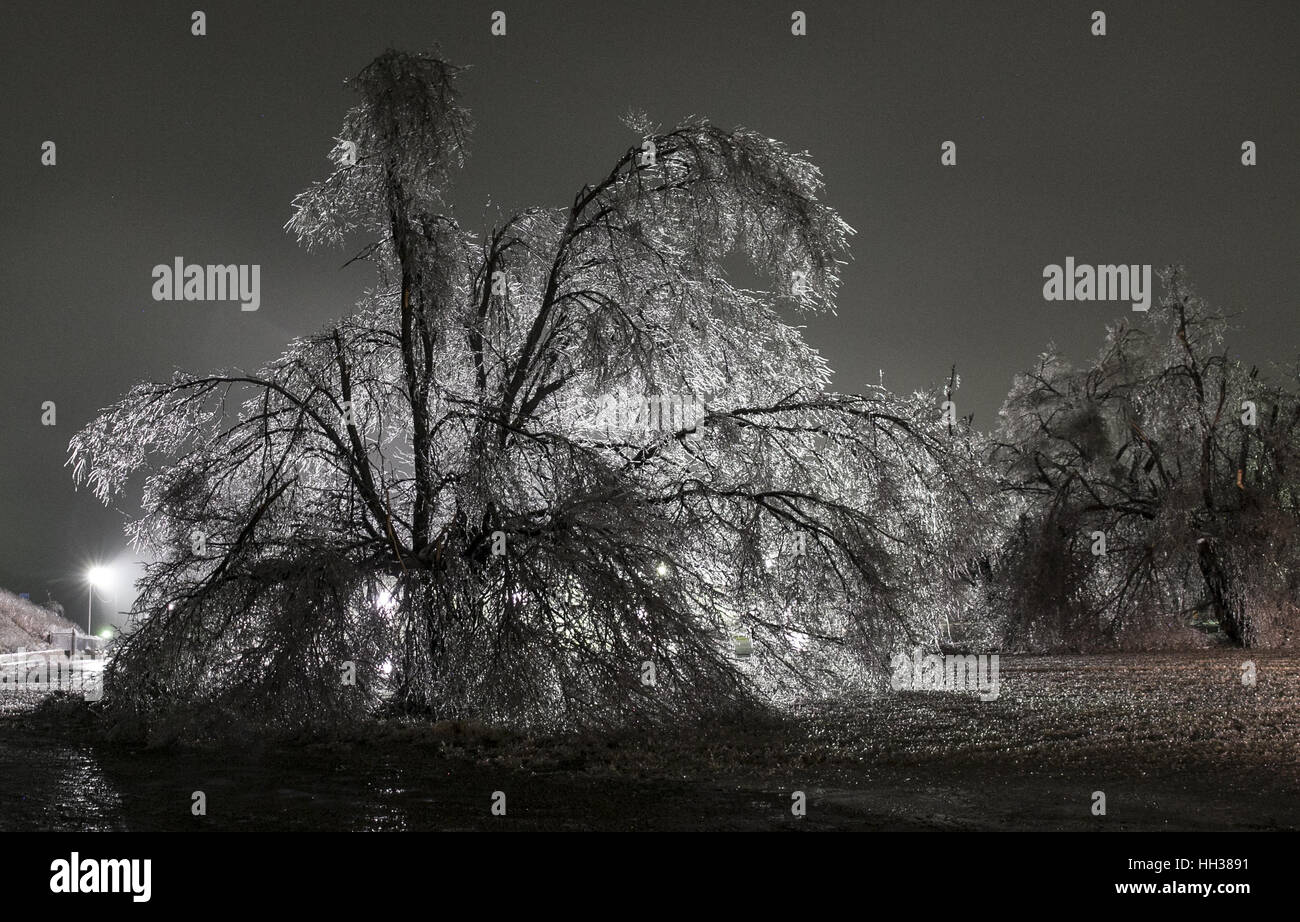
(1151, 446)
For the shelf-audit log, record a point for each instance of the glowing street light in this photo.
(96, 578)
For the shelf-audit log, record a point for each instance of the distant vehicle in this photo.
(75, 642)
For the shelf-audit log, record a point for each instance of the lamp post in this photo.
(96, 578)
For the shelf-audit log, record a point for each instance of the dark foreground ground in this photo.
(1174, 741)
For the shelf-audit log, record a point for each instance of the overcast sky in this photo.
(1116, 149)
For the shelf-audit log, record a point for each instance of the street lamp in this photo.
(96, 578)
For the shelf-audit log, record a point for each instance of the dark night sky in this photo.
(1117, 149)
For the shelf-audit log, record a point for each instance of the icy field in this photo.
(1174, 741)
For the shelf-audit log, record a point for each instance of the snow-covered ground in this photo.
(1174, 740)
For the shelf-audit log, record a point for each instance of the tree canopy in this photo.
(419, 492)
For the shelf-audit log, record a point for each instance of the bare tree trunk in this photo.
(1226, 602)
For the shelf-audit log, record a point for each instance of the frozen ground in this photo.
(1175, 741)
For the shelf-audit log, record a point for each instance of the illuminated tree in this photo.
(420, 490)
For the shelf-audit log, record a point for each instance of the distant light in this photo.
(106, 633)
(99, 577)
(662, 569)
(386, 667)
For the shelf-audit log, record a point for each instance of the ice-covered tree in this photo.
(427, 490)
(1156, 480)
